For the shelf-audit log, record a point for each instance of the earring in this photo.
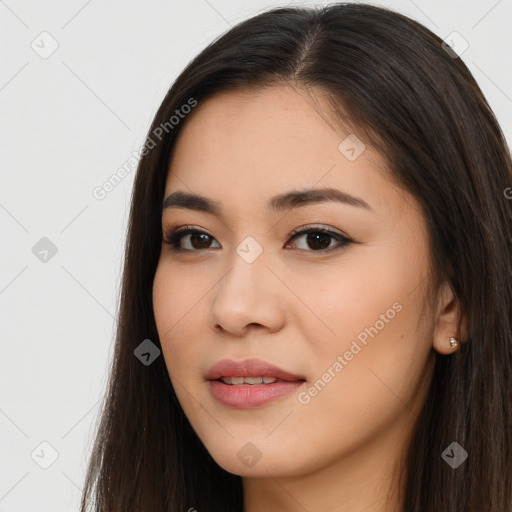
(453, 342)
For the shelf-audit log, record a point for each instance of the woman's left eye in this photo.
(198, 240)
(319, 236)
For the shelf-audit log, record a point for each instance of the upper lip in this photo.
(249, 368)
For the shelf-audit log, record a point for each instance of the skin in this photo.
(296, 307)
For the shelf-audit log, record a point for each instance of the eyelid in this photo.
(307, 227)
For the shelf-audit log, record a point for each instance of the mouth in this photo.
(250, 383)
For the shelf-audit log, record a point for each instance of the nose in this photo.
(248, 297)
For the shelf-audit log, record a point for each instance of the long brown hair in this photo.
(420, 106)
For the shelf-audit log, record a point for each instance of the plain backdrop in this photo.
(79, 84)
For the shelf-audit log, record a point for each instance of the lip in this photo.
(246, 396)
(249, 368)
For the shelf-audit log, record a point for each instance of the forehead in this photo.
(266, 141)
(275, 117)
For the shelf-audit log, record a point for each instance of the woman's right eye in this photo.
(198, 239)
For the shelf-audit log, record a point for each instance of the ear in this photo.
(446, 321)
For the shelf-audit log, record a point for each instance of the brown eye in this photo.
(319, 239)
(199, 240)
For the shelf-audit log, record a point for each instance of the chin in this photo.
(260, 469)
(248, 458)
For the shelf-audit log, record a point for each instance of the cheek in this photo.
(357, 304)
(174, 297)
(369, 368)
(178, 302)
(170, 308)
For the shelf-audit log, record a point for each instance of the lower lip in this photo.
(251, 395)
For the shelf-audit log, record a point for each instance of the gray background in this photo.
(69, 120)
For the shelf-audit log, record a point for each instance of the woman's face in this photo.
(344, 318)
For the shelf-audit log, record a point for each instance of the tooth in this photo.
(248, 380)
(253, 380)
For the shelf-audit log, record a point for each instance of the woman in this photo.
(319, 248)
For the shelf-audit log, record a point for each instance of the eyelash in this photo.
(173, 238)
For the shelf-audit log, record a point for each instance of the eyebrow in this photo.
(279, 203)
